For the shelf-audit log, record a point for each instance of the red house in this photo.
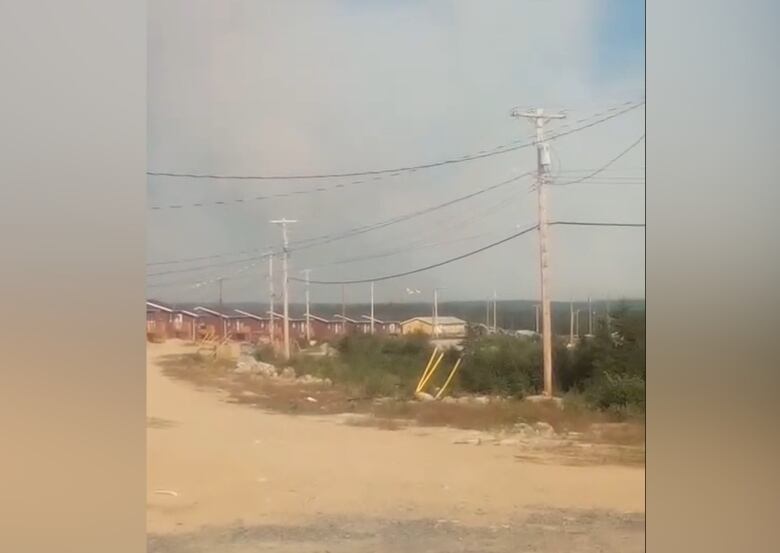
(158, 318)
(185, 325)
(251, 325)
(384, 327)
(214, 322)
(354, 326)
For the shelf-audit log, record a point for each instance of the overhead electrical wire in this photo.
(306, 243)
(327, 238)
(465, 255)
(603, 167)
(397, 170)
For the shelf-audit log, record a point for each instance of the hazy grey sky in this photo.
(250, 87)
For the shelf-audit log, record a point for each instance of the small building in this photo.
(251, 326)
(324, 329)
(215, 322)
(353, 326)
(446, 327)
(383, 327)
(185, 324)
(159, 317)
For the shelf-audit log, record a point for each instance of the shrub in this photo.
(500, 365)
(616, 391)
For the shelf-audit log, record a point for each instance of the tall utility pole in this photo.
(372, 308)
(495, 308)
(577, 323)
(571, 323)
(536, 312)
(219, 280)
(285, 282)
(271, 329)
(435, 312)
(307, 272)
(540, 118)
(343, 301)
(590, 317)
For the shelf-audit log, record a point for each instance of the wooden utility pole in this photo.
(372, 308)
(495, 308)
(285, 283)
(540, 118)
(271, 329)
(307, 272)
(571, 323)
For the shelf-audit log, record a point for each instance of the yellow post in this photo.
(427, 368)
(430, 374)
(449, 378)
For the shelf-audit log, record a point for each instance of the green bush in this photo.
(499, 364)
(616, 391)
(372, 365)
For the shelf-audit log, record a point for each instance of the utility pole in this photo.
(271, 330)
(577, 323)
(495, 308)
(540, 118)
(372, 308)
(308, 324)
(343, 301)
(536, 311)
(285, 283)
(219, 280)
(571, 323)
(590, 317)
(487, 314)
(435, 312)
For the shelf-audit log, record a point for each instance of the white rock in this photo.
(423, 396)
(544, 428)
(288, 373)
(467, 441)
(482, 400)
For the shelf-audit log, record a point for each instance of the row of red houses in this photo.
(165, 321)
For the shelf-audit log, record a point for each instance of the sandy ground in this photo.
(243, 479)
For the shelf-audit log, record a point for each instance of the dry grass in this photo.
(294, 397)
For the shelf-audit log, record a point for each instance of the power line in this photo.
(584, 224)
(603, 167)
(311, 242)
(428, 267)
(468, 254)
(393, 171)
(331, 237)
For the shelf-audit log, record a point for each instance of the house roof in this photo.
(159, 305)
(318, 318)
(439, 320)
(213, 312)
(251, 315)
(189, 313)
(343, 318)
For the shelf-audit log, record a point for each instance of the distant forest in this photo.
(514, 314)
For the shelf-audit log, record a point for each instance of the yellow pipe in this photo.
(433, 370)
(449, 378)
(427, 368)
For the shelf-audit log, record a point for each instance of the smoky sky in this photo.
(250, 87)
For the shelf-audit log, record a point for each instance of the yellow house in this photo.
(446, 326)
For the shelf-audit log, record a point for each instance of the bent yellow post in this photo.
(449, 378)
(427, 368)
(430, 373)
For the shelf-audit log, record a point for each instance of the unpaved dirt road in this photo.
(227, 477)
